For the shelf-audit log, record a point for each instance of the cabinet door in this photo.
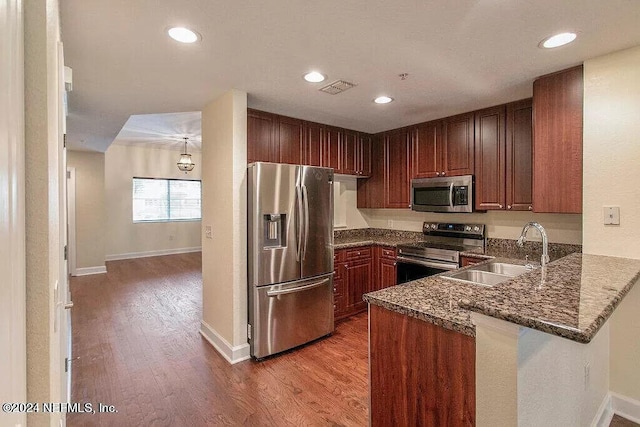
(312, 145)
(458, 145)
(348, 153)
(358, 283)
(331, 148)
(371, 191)
(364, 155)
(427, 150)
(397, 169)
(289, 137)
(260, 137)
(388, 273)
(490, 158)
(557, 142)
(519, 155)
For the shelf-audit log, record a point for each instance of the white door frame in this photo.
(13, 369)
(71, 212)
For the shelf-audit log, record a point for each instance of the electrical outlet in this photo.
(611, 215)
(208, 232)
(171, 237)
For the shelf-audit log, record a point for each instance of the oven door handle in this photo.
(451, 202)
(432, 264)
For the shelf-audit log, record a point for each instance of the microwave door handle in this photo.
(451, 196)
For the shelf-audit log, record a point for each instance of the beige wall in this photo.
(345, 201)
(124, 239)
(611, 176)
(44, 167)
(90, 209)
(561, 228)
(224, 267)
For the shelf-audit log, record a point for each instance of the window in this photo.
(156, 200)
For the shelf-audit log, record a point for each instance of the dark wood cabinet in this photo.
(359, 277)
(427, 150)
(371, 191)
(503, 157)
(349, 161)
(458, 156)
(420, 374)
(261, 145)
(490, 156)
(289, 136)
(385, 267)
(557, 142)
(397, 168)
(519, 155)
(353, 277)
(312, 143)
(364, 155)
(331, 148)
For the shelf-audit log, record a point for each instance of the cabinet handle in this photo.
(437, 173)
(500, 206)
(335, 289)
(443, 173)
(358, 252)
(530, 208)
(346, 266)
(395, 263)
(508, 206)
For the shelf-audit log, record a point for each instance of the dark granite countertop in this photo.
(572, 297)
(345, 239)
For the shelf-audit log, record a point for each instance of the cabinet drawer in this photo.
(358, 253)
(388, 253)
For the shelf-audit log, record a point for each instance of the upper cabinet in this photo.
(397, 168)
(458, 145)
(427, 150)
(519, 156)
(557, 142)
(490, 152)
(289, 140)
(280, 139)
(314, 136)
(260, 137)
(273, 138)
(503, 156)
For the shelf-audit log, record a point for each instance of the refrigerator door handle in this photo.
(297, 289)
(305, 197)
(298, 223)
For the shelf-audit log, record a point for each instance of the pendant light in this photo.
(185, 163)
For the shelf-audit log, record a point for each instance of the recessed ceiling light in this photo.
(557, 40)
(383, 100)
(183, 35)
(314, 77)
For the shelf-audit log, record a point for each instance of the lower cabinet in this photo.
(358, 271)
(420, 374)
(468, 260)
(386, 269)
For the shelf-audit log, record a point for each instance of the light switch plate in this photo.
(611, 215)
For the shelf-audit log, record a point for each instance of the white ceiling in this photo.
(163, 131)
(460, 55)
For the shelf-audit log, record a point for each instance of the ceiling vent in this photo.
(337, 87)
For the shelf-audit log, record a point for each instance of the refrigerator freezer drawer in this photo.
(290, 314)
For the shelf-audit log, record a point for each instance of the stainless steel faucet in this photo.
(545, 242)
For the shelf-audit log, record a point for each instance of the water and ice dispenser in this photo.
(274, 231)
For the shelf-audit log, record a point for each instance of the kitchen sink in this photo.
(510, 270)
(489, 274)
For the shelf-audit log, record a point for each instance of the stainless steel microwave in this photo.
(443, 194)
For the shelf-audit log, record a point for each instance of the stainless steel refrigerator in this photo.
(290, 256)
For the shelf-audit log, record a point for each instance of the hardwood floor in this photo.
(135, 330)
(618, 421)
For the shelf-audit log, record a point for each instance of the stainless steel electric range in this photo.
(439, 251)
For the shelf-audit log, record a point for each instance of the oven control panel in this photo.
(444, 228)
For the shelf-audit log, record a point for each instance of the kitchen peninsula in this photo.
(446, 352)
